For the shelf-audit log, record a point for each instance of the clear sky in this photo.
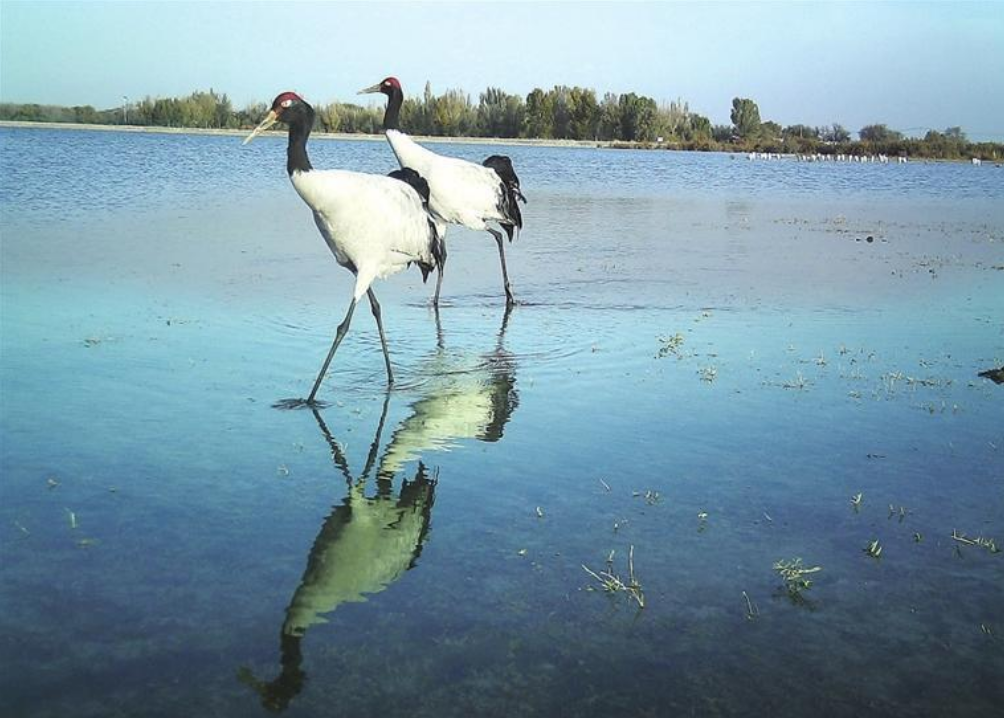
(907, 64)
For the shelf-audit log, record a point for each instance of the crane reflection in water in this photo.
(369, 540)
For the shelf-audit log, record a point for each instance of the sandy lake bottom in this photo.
(707, 384)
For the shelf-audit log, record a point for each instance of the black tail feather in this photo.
(417, 182)
(511, 193)
(420, 185)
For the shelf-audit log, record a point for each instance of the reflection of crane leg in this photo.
(440, 344)
(505, 274)
(375, 446)
(338, 456)
(505, 324)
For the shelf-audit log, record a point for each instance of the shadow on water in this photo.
(369, 541)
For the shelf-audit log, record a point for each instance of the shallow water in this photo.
(709, 361)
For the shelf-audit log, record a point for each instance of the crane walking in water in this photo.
(374, 225)
(461, 192)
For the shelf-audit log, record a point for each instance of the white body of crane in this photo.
(374, 225)
(460, 192)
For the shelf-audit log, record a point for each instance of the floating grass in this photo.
(670, 346)
(795, 576)
(983, 542)
(612, 583)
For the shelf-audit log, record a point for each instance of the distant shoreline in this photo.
(360, 137)
(354, 136)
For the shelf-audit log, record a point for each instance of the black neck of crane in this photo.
(300, 119)
(390, 116)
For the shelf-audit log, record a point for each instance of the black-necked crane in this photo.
(374, 225)
(461, 192)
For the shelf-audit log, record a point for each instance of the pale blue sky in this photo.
(909, 65)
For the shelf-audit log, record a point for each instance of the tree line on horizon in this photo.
(561, 113)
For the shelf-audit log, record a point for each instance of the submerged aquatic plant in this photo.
(651, 496)
(670, 345)
(799, 382)
(793, 573)
(873, 549)
(983, 542)
(901, 512)
(612, 583)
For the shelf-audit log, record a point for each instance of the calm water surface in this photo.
(709, 361)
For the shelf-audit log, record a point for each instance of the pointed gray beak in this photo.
(270, 119)
(368, 90)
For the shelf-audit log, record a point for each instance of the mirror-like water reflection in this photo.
(370, 539)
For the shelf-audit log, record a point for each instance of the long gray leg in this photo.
(375, 306)
(439, 276)
(505, 274)
(339, 335)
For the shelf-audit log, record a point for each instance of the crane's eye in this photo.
(286, 103)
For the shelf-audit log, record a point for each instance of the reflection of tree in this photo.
(369, 541)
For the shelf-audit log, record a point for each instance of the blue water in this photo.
(170, 544)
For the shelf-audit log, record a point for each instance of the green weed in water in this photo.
(794, 575)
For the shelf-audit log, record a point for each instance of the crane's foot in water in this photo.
(288, 404)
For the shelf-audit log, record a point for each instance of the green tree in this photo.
(251, 114)
(85, 114)
(770, 130)
(585, 118)
(835, 133)
(879, 134)
(561, 112)
(417, 114)
(638, 116)
(803, 132)
(955, 134)
(698, 127)
(745, 117)
(610, 117)
(722, 133)
(453, 115)
(672, 120)
(538, 114)
(499, 114)
(515, 114)
(492, 113)
(329, 117)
